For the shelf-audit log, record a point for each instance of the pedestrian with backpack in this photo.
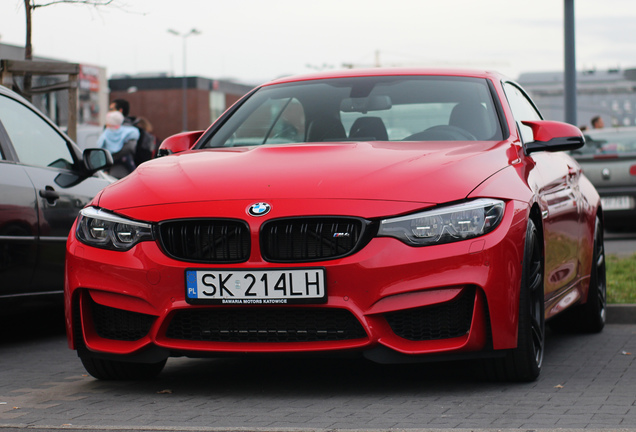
(147, 142)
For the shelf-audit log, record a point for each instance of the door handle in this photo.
(49, 194)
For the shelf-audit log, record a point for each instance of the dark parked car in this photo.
(44, 181)
(609, 161)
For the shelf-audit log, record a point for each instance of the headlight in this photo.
(445, 225)
(105, 230)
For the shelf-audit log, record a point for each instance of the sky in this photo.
(253, 41)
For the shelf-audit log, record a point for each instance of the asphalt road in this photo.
(620, 244)
(588, 382)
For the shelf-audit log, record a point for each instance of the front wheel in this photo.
(113, 370)
(524, 362)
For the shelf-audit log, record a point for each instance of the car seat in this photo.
(325, 129)
(369, 128)
(472, 117)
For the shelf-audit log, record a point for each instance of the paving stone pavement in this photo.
(588, 382)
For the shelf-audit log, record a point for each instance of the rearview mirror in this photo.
(178, 143)
(366, 104)
(553, 136)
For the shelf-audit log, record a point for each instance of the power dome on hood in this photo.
(414, 172)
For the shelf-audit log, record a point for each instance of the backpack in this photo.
(145, 149)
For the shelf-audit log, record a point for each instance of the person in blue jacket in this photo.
(120, 140)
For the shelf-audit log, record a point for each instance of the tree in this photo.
(29, 7)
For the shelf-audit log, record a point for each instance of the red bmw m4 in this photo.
(401, 215)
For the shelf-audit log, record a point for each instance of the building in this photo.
(92, 95)
(609, 93)
(159, 99)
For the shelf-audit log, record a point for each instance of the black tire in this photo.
(524, 362)
(113, 370)
(592, 314)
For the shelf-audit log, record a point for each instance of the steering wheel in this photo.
(442, 133)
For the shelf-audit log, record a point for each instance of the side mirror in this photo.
(178, 143)
(96, 159)
(553, 136)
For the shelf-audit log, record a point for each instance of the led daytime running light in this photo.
(96, 227)
(446, 224)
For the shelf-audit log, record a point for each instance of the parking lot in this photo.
(588, 381)
(621, 244)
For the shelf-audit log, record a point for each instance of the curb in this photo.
(621, 314)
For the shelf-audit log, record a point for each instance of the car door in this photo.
(43, 189)
(18, 227)
(561, 197)
(560, 200)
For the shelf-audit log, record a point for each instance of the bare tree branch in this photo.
(95, 3)
(29, 7)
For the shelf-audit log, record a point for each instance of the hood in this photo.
(429, 172)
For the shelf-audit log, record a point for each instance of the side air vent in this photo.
(118, 324)
(441, 321)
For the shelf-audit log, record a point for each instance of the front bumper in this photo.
(453, 298)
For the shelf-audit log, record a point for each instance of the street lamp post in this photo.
(570, 62)
(184, 111)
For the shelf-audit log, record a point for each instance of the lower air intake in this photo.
(265, 325)
(118, 324)
(441, 321)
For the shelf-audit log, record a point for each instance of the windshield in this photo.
(395, 108)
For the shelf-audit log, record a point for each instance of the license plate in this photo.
(255, 287)
(617, 203)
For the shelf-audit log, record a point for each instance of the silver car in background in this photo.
(609, 161)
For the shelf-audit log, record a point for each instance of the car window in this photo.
(608, 142)
(523, 109)
(34, 140)
(397, 108)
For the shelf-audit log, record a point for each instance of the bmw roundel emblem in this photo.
(259, 209)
